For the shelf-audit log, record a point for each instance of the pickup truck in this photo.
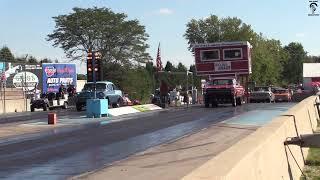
(104, 90)
(223, 91)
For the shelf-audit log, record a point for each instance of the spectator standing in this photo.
(164, 90)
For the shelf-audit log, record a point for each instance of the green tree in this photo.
(169, 66)
(119, 40)
(21, 59)
(115, 72)
(138, 84)
(150, 68)
(196, 79)
(268, 58)
(81, 77)
(6, 55)
(213, 29)
(46, 60)
(181, 68)
(293, 67)
(312, 59)
(32, 60)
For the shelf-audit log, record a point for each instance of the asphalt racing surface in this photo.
(70, 153)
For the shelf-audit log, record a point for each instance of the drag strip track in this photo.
(62, 155)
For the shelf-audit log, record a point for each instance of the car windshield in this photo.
(220, 82)
(261, 89)
(90, 87)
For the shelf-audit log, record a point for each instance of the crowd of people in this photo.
(166, 95)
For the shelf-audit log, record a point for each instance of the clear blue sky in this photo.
(26, 23)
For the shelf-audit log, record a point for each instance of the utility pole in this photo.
(187, 88)
(25, 87)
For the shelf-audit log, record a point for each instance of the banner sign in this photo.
(22, 76)
(2, 66)
(57, 74)
(2, 72)
(222, 66)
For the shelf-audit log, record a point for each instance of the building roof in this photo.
(311, 69)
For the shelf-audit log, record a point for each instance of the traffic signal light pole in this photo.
(94, 75)
(94, 68)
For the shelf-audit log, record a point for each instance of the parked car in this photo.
(104, 90)
(282, 94)
(261, 94)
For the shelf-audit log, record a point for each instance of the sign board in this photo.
(222, 66)
(2, 72)
(223, 59)
(2, 66)
(57, 74)
(23, 76)
(25, 80)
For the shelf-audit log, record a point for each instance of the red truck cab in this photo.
(222, 91)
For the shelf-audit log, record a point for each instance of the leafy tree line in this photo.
(7, 56)
(272, 63)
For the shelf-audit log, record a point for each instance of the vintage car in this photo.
(49, 101)
(104, 90)
(282, 95)
(261, 94)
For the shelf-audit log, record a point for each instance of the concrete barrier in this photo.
(262, 155)
(12, 100)
(16, 105)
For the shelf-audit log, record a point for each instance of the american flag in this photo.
(159, 63)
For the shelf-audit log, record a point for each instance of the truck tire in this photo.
(45, 107)
(214, 104)
(234, 102)
(206, 103)
(117, 104)
(78, 107)
(109, 103)
(239, 101)
(65, 105)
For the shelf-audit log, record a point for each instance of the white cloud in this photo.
(165, 11)
(300, 35)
